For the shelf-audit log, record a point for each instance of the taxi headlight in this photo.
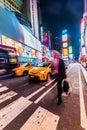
(18, 70)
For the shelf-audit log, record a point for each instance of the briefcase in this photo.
(65, 86)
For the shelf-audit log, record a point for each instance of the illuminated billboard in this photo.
(21, 49)
(12, 43)
(70, 49)
(65, 44)
(46, 39)
(65, 52)
(30, 40)
(10, 26)
(64, 37)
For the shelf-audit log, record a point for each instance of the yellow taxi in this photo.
(42, 71)
(23, 70)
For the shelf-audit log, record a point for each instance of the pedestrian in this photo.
(60, 75)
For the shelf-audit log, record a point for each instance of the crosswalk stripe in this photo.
(34, 93)
(7, 96)
(37, 91)
(37, 100)
(0, 85)
(41, 119)
(50, 122)
(49, 82)
(10, 112)
(35, 120)
(4, 88)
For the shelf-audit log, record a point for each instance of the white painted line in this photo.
(0, 85)
(50, 122)
(82, 105)
(7, 96)
(37, 100)
(84, 72)
(10, 112)
(41, 119)
(23, 85)
(34, 93)
(4, 88)
(49, 83)
(35, 120)
(68, 70)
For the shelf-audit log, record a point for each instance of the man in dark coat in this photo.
(59, 78)
(59, 73)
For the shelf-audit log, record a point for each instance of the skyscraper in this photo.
(34, 17)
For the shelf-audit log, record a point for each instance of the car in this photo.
(42, 71)
(5, 67)
(23, 70)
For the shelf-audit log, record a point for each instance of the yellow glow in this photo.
(15, 4)
(65, 52)
(12, 43)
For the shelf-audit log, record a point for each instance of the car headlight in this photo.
(42, 72)
(18, 70)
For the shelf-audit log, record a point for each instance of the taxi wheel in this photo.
(25, 73)
(48, 76)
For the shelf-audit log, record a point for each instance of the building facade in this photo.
(16, 30)
(83, 53)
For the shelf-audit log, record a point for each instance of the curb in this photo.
(84, 72)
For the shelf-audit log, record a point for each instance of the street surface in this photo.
(32, 105)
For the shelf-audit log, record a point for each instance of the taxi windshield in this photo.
(25, 65)
(43, 64)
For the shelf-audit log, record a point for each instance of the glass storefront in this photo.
(24, 52)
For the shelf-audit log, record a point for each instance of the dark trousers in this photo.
(59, 89)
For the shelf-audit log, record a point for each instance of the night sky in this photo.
(64, 14)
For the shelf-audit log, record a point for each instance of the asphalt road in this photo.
(32, 105)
